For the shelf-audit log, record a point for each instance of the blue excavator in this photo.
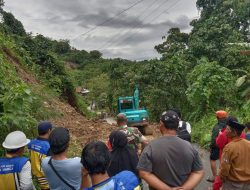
(137, 117)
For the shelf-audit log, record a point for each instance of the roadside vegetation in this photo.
(199, 73)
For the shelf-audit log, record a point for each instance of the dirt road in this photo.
(206, 164)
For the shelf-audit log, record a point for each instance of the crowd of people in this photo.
(230, 145)
(169, 162)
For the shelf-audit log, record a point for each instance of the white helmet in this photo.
(14, 140)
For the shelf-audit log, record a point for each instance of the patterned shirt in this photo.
(134, 136)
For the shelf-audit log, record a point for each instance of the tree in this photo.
(13, 25)
(98, 89)
(176, 43)
(95, 54)
(210, 86)
(61, 47)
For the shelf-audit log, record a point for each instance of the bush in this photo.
(211, 87)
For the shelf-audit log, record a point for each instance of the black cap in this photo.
(59, 137)
(169, 117)
(236, 125)
(44, 126)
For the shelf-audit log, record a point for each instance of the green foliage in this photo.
(175, 44)
(13, 25)
(201, 130)
(98, 89)
(16, 104)
(82, 106)
(95, 54)
(16, 101)
(77, 56)
(164, 84)
(61, 47)
(243, 83)
(210, 86)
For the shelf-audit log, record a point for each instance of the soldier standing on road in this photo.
(134, 136)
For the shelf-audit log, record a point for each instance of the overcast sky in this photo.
(131, 35)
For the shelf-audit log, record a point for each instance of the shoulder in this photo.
(23, 163)
(35, 142)
(126, 179)
(135, 131)
(73, 162)
(45, 161)
(230, 146)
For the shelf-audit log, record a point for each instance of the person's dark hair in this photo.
(230, 119)
(170, 119)
(118, 139)
(42, 132)
(95, 157)
(13, 151)
(59, 140)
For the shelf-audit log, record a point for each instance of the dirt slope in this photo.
(82, 129)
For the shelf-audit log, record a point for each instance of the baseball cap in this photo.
(169, 116)
(44, 126)
(221, 114)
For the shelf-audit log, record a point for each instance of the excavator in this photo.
(137, 117)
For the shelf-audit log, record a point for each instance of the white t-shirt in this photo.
(25, 177)
(188, 126)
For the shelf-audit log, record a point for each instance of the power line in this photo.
(144, 18)
(108, 20)
(137, 31)
(120, 34)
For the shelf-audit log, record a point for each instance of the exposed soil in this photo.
(83, 129)
(23, 74)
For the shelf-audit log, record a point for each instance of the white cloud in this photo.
(131, 35)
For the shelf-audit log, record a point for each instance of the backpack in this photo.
(183, 133)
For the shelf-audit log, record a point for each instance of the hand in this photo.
(85, 172)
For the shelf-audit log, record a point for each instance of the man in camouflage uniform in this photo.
(133, 134)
